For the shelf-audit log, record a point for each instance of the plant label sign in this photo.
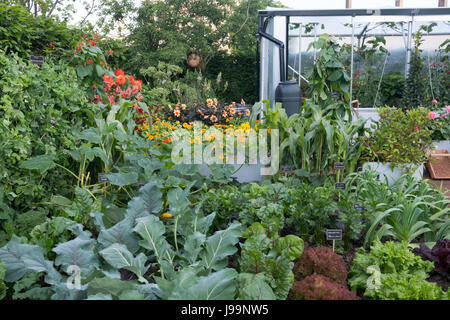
(334, 234)
(37, 60)
(339, 165)
(102, 177)
(339, 185)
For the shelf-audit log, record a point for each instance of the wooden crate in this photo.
(439, 164)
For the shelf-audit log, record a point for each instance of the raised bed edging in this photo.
(392, 175)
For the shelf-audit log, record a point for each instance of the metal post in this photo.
(262, 68)
(408, 46)
(351, 63)
(287, 46)
(258, 60)
(315, 39)
(299, 52)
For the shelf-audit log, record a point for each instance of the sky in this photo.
(317, 4)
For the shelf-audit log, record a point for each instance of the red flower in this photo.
(119, 72)
(432, 115)
(51, 44)
(168, 140)
(89, 61)
(110, 52)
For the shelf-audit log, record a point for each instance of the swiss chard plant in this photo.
(270, 256)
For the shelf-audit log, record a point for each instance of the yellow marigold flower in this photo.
(203, 130)
(166, 215)
(187, 126)
(221, 156)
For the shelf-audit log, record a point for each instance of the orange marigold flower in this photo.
(120, 79)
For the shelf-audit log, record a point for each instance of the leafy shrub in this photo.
(39, 108)
(389, 143)
(440, 254)
(322, 261)
(393, 272)
(319, 287)
(24, 34)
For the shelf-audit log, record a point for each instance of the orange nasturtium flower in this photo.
(119, 72)
(108, 79)
(120, 79)
(168, 140)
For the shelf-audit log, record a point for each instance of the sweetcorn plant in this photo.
(400, 137)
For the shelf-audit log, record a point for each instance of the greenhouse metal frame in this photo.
(273, 64)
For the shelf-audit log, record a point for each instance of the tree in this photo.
(168, 30)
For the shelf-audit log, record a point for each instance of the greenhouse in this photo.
(236, 151)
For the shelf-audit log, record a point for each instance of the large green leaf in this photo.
(20, 258)
(121, 233)
(118, 256)
(152, 197)
(292, 243)
(219, 285)
(254, 287)
(40, 163)
(221, 245)
(152, 230)
(113, 287)
(122, 179)
(79, 252)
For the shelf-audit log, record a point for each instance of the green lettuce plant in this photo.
(402, 275)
